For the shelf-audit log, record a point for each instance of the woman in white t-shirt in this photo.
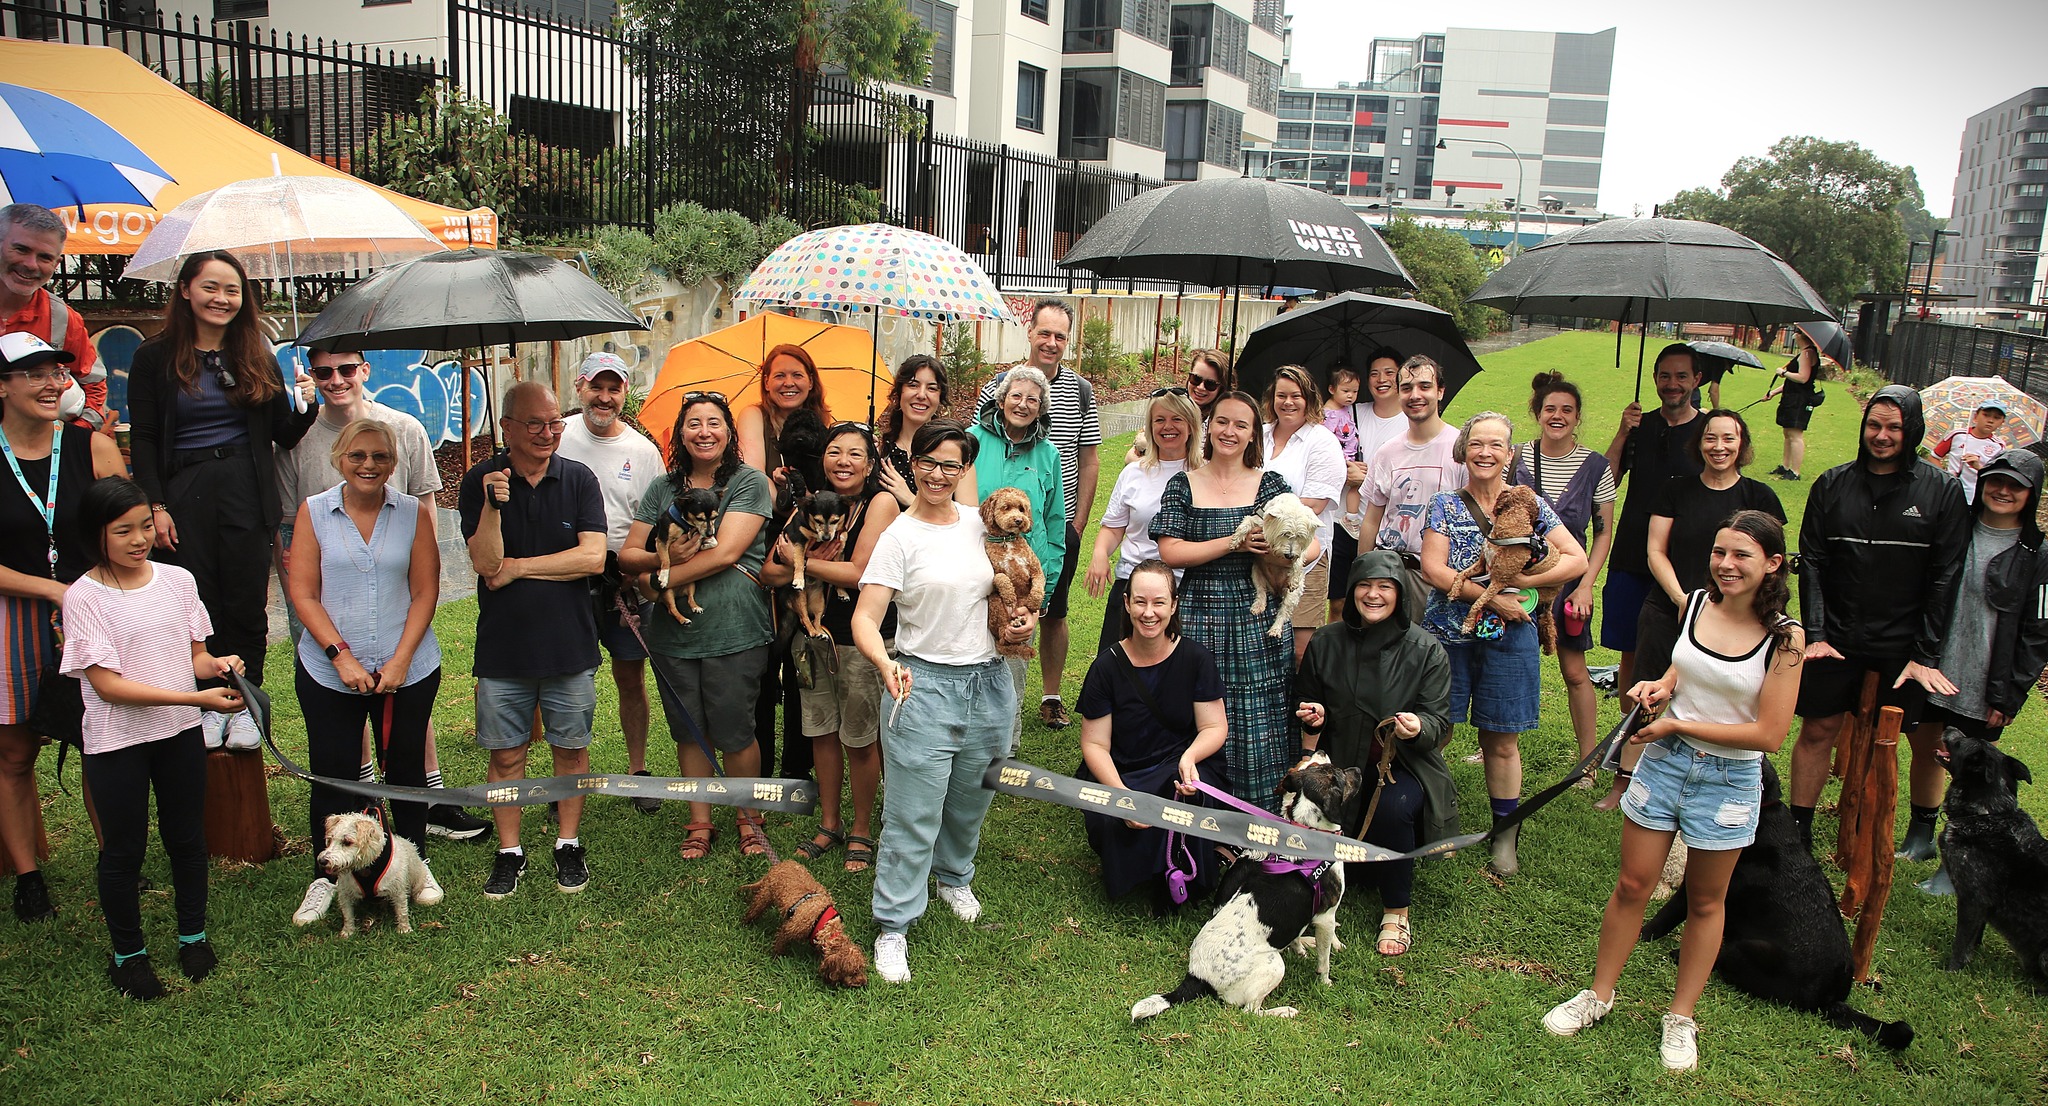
(1308, 456)
(954, 702)
(1171, 442)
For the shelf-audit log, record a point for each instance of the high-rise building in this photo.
(2001, 194)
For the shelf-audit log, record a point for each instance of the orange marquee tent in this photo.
(728, 361)
(199, 147)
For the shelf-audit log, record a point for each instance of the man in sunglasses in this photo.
(31, 245)
(341, 383)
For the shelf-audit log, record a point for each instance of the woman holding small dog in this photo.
(1308, 456)
(1375, 666)
(365, 577)
(840, 709)
(962, 703)
(709, 669)
(1496, 673)
(1172, 443)
(1730, 690)
(1152, 721)
(1199, 511)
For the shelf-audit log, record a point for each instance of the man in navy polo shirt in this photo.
(535, 525)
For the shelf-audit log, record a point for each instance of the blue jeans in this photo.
(955, 724)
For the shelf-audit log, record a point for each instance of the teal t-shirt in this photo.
(735, 616)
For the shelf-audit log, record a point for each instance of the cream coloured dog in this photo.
(365, 860)
(1289, 527)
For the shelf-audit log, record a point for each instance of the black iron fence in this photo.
(1921, 353)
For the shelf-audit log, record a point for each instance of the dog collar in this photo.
(1525, 539)
(808, 896)
(831, 913)
(1000, 539)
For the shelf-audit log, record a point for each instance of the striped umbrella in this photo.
(57, 154)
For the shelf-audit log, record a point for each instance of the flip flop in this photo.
(860, 852)
(812, 850)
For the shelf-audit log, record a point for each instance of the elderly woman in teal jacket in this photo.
(1016, 452)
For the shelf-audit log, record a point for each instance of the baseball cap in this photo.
(1997, 405)
(21, 350)
(2017, 465)
(597, 364)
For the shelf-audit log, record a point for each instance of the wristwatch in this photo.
(335, 649)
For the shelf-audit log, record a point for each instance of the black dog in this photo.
(802, 447)
(1783, 939)
(1994, 854)
(686, 527)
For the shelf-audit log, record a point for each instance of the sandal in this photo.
(813, 849)
(695, 847)
(860, 852)
(753, 836)
(1395, 930)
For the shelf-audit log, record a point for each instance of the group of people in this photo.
(1186, 690)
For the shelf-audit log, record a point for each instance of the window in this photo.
(1400, 193)
(1293, 132)
(1100, 104)
(939, 20)
(1186, 130)
(2038, 109)
(240, 9)
(1190, 44)
(1407, 136)
(1036, 10)
(2033, 136)
(1332, 137)
(2032, 190)
(2033, 163)
(2024, 217)
(1091, 26)
(1432, 48)
(1264, 79)
(1030, 98)
(1429, 113)
(1394, 166)
(1400, 107)
(1298, 105)
(1225, 137)
(1365, 137)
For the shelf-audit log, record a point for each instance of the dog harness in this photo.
(1312, 870)
(828, 914)
(370, 879)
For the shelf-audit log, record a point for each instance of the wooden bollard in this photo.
(1851, 805)
(1883, 795)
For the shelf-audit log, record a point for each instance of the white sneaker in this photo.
(892, 958)
(1681, 1047)
(312, 908)
(242, 731)
(965, 906)
(1576, 1013)
(212, 725)
(430, 893)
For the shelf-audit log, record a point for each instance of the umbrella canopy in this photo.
(1948, 405)
(1831, 338)
(1726, 354)
(728, 361)
(1239, 232)
(1669, 270)
(282, 227)
(892, 270)
(467, 298)
(1344, 329)
(57, 154)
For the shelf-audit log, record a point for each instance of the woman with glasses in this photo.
(1208, 379)
(1308, 456)
(840, 709)
(41, 553)
(918, 396)
(951, 703)
(1170, 443)
(709, 669)
(366, 575)
(209, 409)
(1199, 511)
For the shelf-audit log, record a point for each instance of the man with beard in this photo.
(31, 245)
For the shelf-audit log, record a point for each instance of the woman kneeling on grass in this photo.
(1733, 681)
(135, 633)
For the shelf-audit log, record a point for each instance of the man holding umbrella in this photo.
(1648, 451)
(31, 245)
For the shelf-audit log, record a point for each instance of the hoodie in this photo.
(1362, 672)
(1880, 554)
(2016, 586)
(1033, 467)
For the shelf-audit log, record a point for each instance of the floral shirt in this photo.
(1443, 616)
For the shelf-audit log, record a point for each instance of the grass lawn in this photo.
(646, 987)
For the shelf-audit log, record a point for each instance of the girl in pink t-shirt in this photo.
(134, 634)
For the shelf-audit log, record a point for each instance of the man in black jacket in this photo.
(1881, 548)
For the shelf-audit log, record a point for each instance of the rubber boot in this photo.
(1504, 862)
(1937, 884)
(1919, 843)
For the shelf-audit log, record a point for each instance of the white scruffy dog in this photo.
(356, 859)
(1289, 527)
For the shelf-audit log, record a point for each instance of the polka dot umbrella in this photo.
(878, 268)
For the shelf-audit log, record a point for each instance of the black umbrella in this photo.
(1725, 354)
(468, 298)
(1671, 270)
(1237, 231)
(1344, 329)
(1832, 340)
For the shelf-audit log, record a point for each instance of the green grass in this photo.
(646, 987)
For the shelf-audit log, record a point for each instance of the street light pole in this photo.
(1512, 152)
(1933, 245)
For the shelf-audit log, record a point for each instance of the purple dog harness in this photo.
(1311, 870)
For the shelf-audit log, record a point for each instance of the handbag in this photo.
(58, 712)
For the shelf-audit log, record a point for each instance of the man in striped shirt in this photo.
(1076, 431)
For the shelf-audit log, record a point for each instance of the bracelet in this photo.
(155, 507)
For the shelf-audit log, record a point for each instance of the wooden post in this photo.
(1883, 795)
(1856, 765)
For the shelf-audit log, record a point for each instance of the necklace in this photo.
(47, 507)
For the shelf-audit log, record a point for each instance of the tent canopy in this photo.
(199, 147)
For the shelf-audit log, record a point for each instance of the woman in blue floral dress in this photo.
(1198, 513)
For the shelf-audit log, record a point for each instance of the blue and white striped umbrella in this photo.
(57, 154)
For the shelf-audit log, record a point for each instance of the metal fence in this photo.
(1921, 353)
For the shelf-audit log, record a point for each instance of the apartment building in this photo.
(2001, 194)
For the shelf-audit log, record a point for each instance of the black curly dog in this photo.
(1783, 939)
(1994, 854)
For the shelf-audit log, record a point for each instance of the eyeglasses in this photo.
(537, 427)
(359, 458)
(347, 369)
(38, 378)
(929, 465)
(1203, 382)
(1050, 336)
(1169, 392)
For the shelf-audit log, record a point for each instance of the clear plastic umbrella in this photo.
(285, 227)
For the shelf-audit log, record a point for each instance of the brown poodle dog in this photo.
(1506, 559)
(1020, 579)
(807, 915)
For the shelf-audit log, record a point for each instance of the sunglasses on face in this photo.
(359, 458)
(347, 369)
(1203, 383)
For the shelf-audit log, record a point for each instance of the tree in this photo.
(1830, 209)
(1445, 271)
(1921, 224)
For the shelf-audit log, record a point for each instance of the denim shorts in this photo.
(1711, 800)
(505, 706)
(1498, 685)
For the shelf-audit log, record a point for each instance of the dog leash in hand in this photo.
(1384, 734)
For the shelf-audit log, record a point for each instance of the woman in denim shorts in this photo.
(1731, 689)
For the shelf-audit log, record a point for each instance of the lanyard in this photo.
(47, 508)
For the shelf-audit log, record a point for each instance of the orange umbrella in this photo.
(728, 361)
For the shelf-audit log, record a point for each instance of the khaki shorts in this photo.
(848, 703)
(1314, 610)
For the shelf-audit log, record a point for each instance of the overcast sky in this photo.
(1698, 85)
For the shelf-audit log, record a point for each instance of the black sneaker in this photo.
(454, 823)
(32, 898)
(505, 873)
(646, 804)
(136, 978)
(572, 872)
(196, 959)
